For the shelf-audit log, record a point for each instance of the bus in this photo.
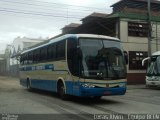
(153, 70)
(84, 65)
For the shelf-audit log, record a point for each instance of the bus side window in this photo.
(48, 52)
(21, 59)
(26, 58)
(72, 57)
(37, 55)
(51, 52)
(30, 58)
(61, 50)
(43, 53)
(34, 56)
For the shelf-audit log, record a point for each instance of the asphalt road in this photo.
(17, 100)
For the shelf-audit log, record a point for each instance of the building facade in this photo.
(133, 30)
(2, 64)
(13, 51)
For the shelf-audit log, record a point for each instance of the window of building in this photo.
(135, 60)
(137, 29)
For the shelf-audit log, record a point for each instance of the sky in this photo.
(43, 18)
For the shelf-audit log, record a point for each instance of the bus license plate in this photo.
(107, 85)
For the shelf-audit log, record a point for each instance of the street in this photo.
(15, 99)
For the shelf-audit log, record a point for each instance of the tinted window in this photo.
(43, 53)
(34, 56)
(30, 57)
(25, 58)
(21, 59)
(72, 58)
(51, 52)
(61, 49)
(37, 55)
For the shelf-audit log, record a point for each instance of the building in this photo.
(69, 27)
(2, 65)
(128, 22)
(12, 52)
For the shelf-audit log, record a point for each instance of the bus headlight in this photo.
(122, 85)
(88, 85)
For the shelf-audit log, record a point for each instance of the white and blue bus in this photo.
(83, 65)
(153, 70)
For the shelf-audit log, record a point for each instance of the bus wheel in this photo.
(97, 97)
(61, 91)
(28, 85)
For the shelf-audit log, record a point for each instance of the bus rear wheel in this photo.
(97, 97)
(28, 85)
(61, 91)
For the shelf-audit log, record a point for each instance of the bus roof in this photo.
(156, 53)
(53, 39)
(82, 35)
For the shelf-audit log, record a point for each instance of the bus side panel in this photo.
(49, 85)
(72, 88)
(44, 75)
(69, 87)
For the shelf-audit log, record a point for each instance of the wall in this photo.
(137, 44)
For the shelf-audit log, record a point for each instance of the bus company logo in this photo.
(9, 117)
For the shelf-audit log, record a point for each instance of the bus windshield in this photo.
(102, 59)
(154, 68)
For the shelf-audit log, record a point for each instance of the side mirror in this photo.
(143, 61)
(125, 56)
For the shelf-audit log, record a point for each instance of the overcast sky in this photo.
(43, 18)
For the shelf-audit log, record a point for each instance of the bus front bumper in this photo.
(84, 92)
(153, 83)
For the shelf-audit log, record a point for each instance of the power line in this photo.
(73, 13)
(56, 20)
(35, 13)
(60, 5)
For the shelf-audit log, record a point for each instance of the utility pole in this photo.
(156, 37)
(149, 28)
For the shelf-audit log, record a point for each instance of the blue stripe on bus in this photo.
(74, 88)
(39, 67)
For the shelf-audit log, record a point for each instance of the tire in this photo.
(97, 97)
(28, 85)
(61, 91)
(147, 86)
